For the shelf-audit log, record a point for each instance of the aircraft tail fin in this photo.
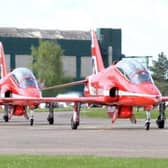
(97, 62)
(3, 67)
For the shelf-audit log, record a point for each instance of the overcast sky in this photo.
(144, 23)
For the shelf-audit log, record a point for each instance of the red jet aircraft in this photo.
(120, 87)
(19, 90)
(19, 83)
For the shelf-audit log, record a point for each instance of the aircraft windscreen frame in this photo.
(135, 71)
(25, 78)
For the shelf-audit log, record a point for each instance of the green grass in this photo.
(37, 161)
(94, 112)
(101, 113)
(55, 109)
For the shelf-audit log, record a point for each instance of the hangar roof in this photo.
(46, 34)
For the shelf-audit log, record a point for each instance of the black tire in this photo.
(31, 122)
(160, 123)
(50, 120)
(147, 126)
(6, 118)
(74, 125)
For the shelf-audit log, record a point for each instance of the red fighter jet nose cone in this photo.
(32, 92)
(152, 89)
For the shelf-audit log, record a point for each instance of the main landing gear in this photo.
(50, 117)
(8, 113)
(74, 119)
(31, 117)
(161, 118)
(147, 122)
(18, 111)
(76, 116)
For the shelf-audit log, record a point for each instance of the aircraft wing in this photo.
(164, 98)
(66, 85)
(28, 101)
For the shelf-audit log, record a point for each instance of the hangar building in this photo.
(76, 45)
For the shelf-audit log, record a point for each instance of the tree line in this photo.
(47, 65)
(159, 71)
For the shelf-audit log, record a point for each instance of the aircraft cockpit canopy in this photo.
(134, 71)
(24, 78)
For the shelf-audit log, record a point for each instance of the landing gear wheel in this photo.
(147, 126)
(6, 118)
(31, 122)
(74, 125)
(50, 120)
(161, 118)
(160, 123)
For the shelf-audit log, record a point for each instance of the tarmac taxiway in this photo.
(93, 137)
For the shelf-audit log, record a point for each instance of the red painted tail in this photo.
(2, 61)
(97, 61)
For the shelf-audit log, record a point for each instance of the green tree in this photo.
(47, 65)
(160, 70)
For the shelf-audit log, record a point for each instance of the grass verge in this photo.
(36, 161)
(101, 113)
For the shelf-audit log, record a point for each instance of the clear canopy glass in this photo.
(24, 77)
(134, 71)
